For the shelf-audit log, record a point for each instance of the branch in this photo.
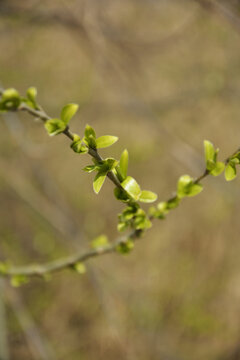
(128, 189)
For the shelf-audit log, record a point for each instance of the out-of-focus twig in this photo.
(4, 351)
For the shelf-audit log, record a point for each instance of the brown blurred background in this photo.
(163, 75)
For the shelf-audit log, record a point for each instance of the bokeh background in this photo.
(163, 75)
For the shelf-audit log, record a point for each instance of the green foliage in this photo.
(57, 126)
(127, 188)
(99, 181)
(90, 137)
(123, 166)
(78, 146)
(79, 267)
(31, 98)
(187, 187)
(10, 100)
(230, 169)
(125, 247)
(54, 126)
(18, 280)
(135, 217)
(213, 166)
(3, 268)
(99, 242)
(131, 187)
(105, 141)
(147, 196)
(68, 112)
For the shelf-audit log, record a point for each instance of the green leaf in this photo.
(125, 247)
(219, 167)
(230, 171)
(100, 241)
(3, 268)
(18, 280)
(79, 267)
(32, 94)
(54, 126)
(91, 168)
(105, 141)
(195, 189)
(98, 181)
(131, 187)
(147, 196)
(187, 187)
(183, 184)
(209, 151)
(77, 145)
(89, 132)
(10, 100)
(124, 164)
(68, 112)
(109, 164)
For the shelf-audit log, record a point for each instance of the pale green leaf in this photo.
(147, 196)
(79, 267)
(68, 112)
(124, 163)
(209, 150)
(230, 172)
(98, 181)
(54, 126)
(99, 242)
(131, 187)
(32, 94)
(105, 141)
(219, 167)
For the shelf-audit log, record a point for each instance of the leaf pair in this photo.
(133, 189)
(57, 126)
(103, 168)
(187, 187)
(230, 169)
(100, 142)
(213, 166)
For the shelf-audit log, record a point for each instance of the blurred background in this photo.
(163, 75)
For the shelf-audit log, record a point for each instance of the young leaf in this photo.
(54, 126)
(209, 151)
(32, 94)
(90, 168)
(194, 189)
(147, 196)
(218, 169)
(18, 280)
(124, 163)
(183, 185)
(230, 171)
(186, 187)
(10, 100)
(125, 247)
(105, 141)
(68, 112)
(79, 267)
(100, 241)
(98, 181)
(89, 131)
(131, 187)
(109, 164)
